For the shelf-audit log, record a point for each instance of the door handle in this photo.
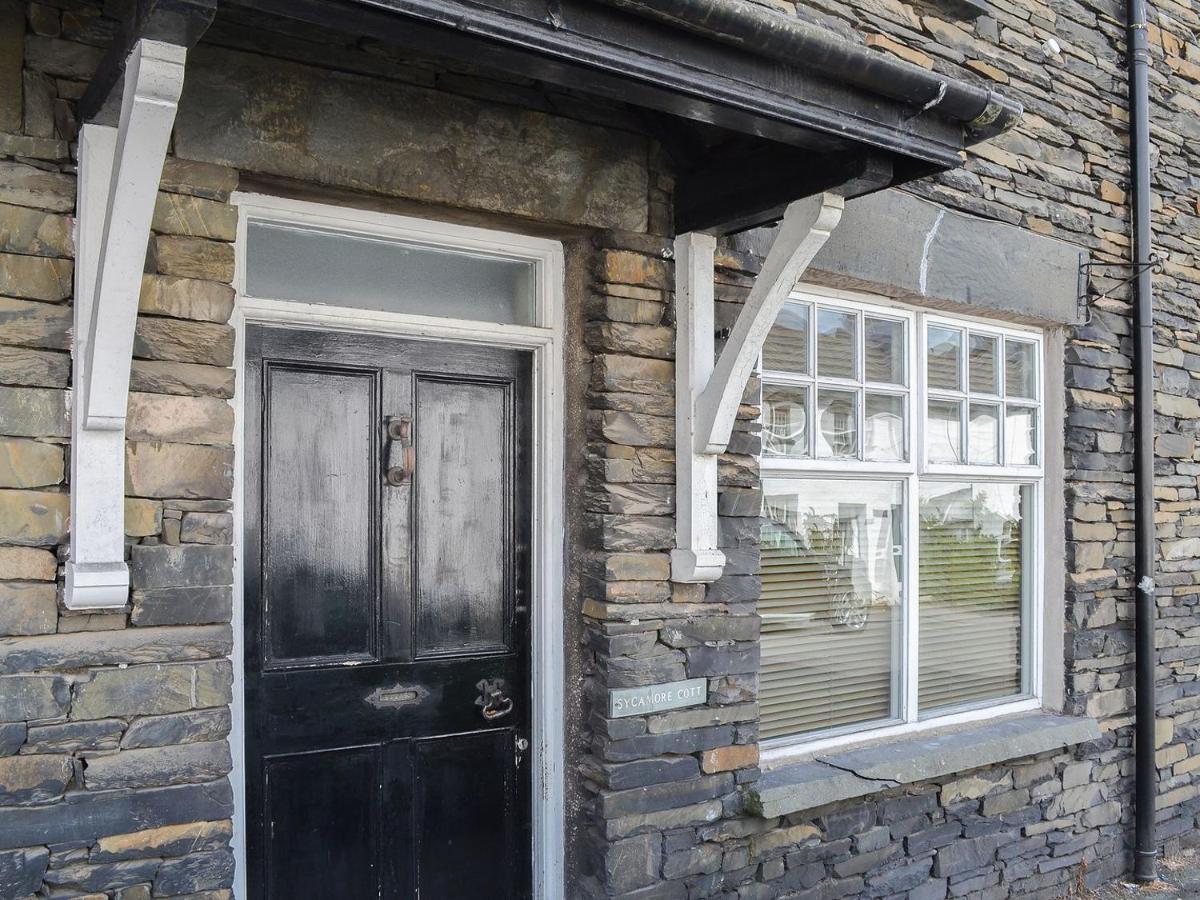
(400, 455)
(493, 700)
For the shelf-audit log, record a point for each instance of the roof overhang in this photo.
(756, 109)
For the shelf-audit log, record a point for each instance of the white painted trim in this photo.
(119, 172)
(545, 340)
(708, 394)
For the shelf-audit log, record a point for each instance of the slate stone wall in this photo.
(1046, 826)
(113, 751)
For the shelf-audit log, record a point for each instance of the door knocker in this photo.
(493, 700)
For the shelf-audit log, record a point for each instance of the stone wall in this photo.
(1043, 826)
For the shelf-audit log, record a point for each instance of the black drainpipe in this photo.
(1145, 849)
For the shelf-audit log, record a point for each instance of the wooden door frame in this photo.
(544, 340)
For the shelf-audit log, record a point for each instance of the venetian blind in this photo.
(829, 602)
(970, 588)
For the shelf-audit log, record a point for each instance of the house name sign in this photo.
(638, 701)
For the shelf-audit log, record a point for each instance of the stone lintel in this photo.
(902, 246)
(843, 775)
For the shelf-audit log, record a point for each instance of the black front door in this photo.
(386, 617)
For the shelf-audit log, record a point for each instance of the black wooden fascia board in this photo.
(740, 191)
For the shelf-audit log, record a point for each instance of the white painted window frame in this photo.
(911, 473)
(544, 340)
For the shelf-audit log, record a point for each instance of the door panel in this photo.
(320, 484)
(386, 673)
(323, 810)
(463, 513)
(462, 804)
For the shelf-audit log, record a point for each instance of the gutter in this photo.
(983, 113)
(1146, 776)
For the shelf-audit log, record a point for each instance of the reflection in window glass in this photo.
(944, 363)
(983, 364)
(832, 582)
(1020, 369)
(837, 423)
(943, 432)
(1020, 436)
(884, 355)
(286, 262)
(883, 434)
(972, 581)
(786, 346)
(983, 434)
(837, 343)
(785, 420)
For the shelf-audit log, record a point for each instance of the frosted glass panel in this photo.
(317, 266)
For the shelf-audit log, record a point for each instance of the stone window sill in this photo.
(824, 778)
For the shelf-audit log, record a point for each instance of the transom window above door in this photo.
(902, 497)
(310, 263)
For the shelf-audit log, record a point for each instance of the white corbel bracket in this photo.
(119, 172)
(707, 395)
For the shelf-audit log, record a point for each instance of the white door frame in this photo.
(545, 341)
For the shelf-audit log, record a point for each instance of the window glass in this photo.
(1020, 372)
(983, 364)
(884, 350)
(972, 586)
(837, 423)
(837, 344)
(785, 420)
(286, 262)
(944, 363)
(786, 346)
(885, 424)
(983, 434)
(838, 436)
(832, 585)
(1020, 436)
(943, 432)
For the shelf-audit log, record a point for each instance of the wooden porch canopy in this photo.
(767, 118)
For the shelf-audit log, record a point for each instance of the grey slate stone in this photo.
(112, 648)
(86, 816)
(21, 871)
(804, 786)
(69, 737)
(198, 872)
(12, 736)
(29, 697)
(966, 748)
(155, 766)
(178, 728)
(165, 566)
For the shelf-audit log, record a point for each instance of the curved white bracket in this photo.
(707, 395)
(119, 172)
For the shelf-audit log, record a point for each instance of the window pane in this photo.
(837, 423)
(943, 432)
(831, 602)
(837, 342)
(884, 350)
(785, 420)
(983, 434)
(945, 358)
(319, 266)
(1020, 373)
(1020, 435)
(971, 579)
(884, 437)
(786, 346)
(984, 369)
